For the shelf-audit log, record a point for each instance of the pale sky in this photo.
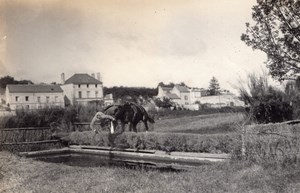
(131, 43)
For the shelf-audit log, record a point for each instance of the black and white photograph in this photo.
(149, 96)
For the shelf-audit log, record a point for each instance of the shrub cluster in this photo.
(266, 103)
(161, 141)
(24, 135)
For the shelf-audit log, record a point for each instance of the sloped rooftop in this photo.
(182, 88)
(82, 79)
(34, 88)
(164, 88)
(172, 96)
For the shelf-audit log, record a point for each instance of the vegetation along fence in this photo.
(272, 143)
(27, 139)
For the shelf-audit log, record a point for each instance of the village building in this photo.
(181, 95)
(190, 98)
(108, 100)
(34, 96)
(82, 88)
(221, 100)
(2, 96)
(166, 92)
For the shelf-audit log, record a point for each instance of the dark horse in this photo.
(129, 113)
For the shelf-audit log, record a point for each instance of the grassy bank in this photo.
(201, 124)
(26, 175)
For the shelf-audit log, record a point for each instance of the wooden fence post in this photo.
(243, 142)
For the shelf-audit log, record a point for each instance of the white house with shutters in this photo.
(34, 96)
(82, 88)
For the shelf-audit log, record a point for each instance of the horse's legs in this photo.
(134, 127)
(130, 127)
(122, 127)
(146, 125)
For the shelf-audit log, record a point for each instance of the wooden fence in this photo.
(27, 139)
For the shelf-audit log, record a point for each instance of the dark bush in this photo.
(266, 103)
(65, 117)
(36, 118)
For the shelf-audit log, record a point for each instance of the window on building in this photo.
(87, 94)
(38, 99)
(27, 107)
(17, 98)
(96, 94)
(186, 98)
(78, 85)
(47, 99)
(56, 99)
(96, 85)
(79, 95)
(26, 98)
(87, 85)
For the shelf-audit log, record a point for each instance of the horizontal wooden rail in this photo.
(25, 128)
(31, 142)
(84, 123)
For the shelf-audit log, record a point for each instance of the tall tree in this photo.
(214, 87)
(7, 80)
(276, 31)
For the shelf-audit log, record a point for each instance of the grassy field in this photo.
(26, 175)
(201, 124)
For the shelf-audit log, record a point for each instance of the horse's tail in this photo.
(147, 116)
(150, 119)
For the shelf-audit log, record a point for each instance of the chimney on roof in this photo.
(62, 78)
(98, 76)
(93, 75)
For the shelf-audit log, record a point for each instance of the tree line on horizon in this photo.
(5, 80)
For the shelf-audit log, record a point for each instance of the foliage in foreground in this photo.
(26, 175)
(273, 144)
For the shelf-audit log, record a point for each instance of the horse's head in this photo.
(124, 113)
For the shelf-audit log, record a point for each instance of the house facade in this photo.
(82, 88)
(108, 100)
(180, 95)
(34, 96)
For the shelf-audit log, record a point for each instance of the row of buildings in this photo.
(78, 89)
(85, 88)
(190, 98)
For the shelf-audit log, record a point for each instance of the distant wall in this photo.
(221, 100)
